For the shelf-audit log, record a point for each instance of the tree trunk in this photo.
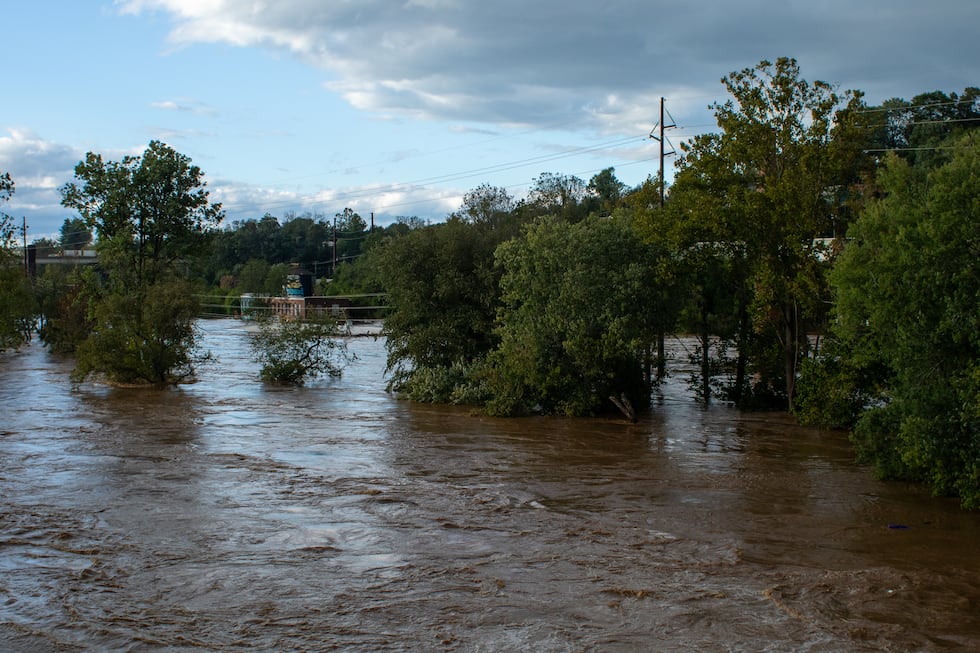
(661, 356)
(705, 359)
(741, 363)
(790, 354)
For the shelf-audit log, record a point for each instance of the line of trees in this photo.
(823, 252)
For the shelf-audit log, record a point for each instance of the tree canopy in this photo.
(150, 213)
(764, 184)
(17, 310)
(908, 322)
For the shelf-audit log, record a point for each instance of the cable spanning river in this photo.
(227, 515)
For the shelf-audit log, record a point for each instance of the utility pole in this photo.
(333, 267)
(27, 263)
(662, 124)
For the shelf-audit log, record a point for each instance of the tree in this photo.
(74, 234)
(556, 194)
(292, 351)
(768, 182)
(7, 229)
(150, 213)
(252, 276)
(908, 321)
(488, 205)
(348, 237)
(442, 292)
(350, 222)
(606, 189)
(915, 128)
(16, 299)
(577, 316)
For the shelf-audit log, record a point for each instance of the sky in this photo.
(399, 107)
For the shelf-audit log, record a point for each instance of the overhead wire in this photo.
(448, 177)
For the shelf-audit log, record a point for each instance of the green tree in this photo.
(767, 182)
(75, 233)
(442, 292)
(7, 188)
(607, 190)
(908, 317)
(251, 278)
(557, 194)
(17, 311)
(487, 205)
(577, 317)
(293, 351)
(275, 280)
(915, 129)
(150, 213)
(63, 295)
(349, 234)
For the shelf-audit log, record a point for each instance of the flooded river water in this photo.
(227, 515)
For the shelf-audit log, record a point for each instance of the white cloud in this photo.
(517, 62)
(244, 202)
(185, 106)
(39, 168)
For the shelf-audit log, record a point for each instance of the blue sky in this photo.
(400, 107)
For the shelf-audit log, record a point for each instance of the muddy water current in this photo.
(227, 515)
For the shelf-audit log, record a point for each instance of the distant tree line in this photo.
(822, 252)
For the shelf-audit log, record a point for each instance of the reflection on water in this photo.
(227, 515)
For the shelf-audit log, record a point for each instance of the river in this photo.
(227, 515)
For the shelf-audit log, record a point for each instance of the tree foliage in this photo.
(151, 213)
(575, 318)
(75, 233)
(293, 351)
(442, 292)
(908, 308)
(17, 311)
(764, 183)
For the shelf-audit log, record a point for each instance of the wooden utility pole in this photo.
(27, 263)
(661, 349)
(661, 126)
(333, 266)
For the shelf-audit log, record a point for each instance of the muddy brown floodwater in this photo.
(227, 516)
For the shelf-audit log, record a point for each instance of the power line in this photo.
(911, 107)
(919, 149)
(455, 176)
(925, 122)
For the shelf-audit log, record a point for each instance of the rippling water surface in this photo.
(227, 515)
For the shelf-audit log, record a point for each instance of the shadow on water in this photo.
(227, 515)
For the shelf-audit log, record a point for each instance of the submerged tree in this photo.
(767, 183)
(292, 351)
(150, 212)
(442, 291)
(578, 314)
(908, 324)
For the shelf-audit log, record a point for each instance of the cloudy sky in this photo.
(401, 106)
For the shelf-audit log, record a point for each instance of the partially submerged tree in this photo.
(579, 304)
(150, 212)
(293, 351)
(767, 183)
(908, 324)
(442, 290)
